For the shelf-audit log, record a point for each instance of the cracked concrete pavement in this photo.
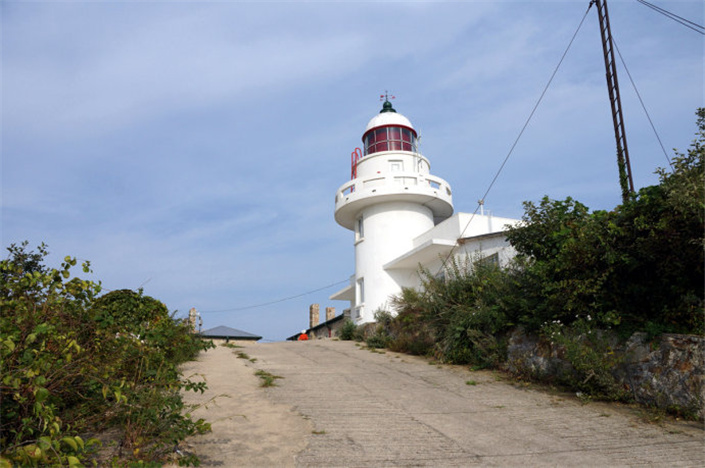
(340, 405)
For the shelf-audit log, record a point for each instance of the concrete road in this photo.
(368, 409)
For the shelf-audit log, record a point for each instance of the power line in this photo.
(277, 301)
(643, 106)
(511, 150)
(685, 22)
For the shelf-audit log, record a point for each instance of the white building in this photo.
(403, 218)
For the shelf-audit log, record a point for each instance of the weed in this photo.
(267, 378)
(231, 345)
(318, 432)
(471, 382)
(242, 355)
(653, 415)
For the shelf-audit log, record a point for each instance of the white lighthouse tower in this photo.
(391, 200)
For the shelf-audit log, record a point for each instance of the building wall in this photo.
(331, 330)
(465, 225)
(394, 229)
(484, 248)
(388, 230)
(385, 162)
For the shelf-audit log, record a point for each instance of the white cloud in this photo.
(197, 147)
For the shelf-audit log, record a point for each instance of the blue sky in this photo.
(194, 148)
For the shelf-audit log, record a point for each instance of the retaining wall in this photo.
(668, 372)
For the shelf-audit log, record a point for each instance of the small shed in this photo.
(226, 333)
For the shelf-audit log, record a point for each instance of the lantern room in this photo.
(389, 131)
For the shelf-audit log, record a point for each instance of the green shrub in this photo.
(577, 275)
(72, 364)
(638, 267)
(379, 337)
(410, 330)
(592, 357)
(347, 331)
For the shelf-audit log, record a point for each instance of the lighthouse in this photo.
(390, 201)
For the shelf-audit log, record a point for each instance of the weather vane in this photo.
(386, 96)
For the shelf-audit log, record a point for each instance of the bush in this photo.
(410, 330)
(379, 338)
(638, 267)
(592, 359)
(72, 364)
(347, 331)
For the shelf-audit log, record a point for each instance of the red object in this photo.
(354, 158)
(389, 138)
(303, 337)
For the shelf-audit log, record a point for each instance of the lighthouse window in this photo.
(389, 139)
(361, 291)
(360, 229)
(381, 137)
(394, 138)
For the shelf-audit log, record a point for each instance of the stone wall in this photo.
(328, 330)
(668, 372)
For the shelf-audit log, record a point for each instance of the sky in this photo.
(194, 148)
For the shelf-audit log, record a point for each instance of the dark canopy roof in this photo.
(229, 333)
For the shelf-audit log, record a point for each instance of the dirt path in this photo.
(249, 429)
(339, 405)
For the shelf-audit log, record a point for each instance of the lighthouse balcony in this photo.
(425, 189)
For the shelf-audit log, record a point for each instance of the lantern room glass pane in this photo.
(389, 139)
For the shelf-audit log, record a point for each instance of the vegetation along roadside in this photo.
(583, 282)
(75, 362)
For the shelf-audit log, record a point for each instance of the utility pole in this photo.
(623, 164)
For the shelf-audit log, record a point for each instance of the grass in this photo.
(242, 355)
(471, 382)
(267, 378)
(318, 432)
(230, 345)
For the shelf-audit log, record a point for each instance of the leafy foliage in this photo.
(457, 318)
(638, 267)
(74, 363)
(591, 357)
(379, 338)
(347, 331)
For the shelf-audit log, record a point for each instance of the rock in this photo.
(668, 372)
